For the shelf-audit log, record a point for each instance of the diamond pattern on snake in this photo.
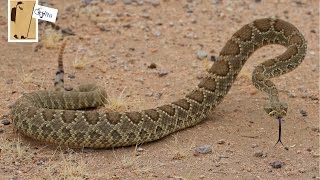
(58, 116)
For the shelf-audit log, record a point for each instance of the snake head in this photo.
(276, 109)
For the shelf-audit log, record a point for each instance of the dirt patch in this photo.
(145, 54)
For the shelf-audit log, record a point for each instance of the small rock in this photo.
(71, 76)
(68, 88)
(292, 95)
(104, 27)
(316, 129)
(67, 32)
(140, 149)
(202, 54)
(152, 66)
(163, 73)
(154, 3)
(40, 162)
(260, 154)
(193, 21)
(37, 46)
(111, 2)
(316, 155)
(1, 130)
(301, 170)
(127, 1)
(201, 76)
(221, 141)
(216, 1)
(277, 164)
(204, 149)
(303, 112)
(145, 15)
(139, 2)
(149, 94)
(314, 97)
(157, 33)
(157, 95)
(70, 8)
(86, 2)
(5, 122)
(254, 145)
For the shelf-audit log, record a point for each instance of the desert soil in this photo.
(145, 54)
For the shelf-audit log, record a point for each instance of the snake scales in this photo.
(58, 116)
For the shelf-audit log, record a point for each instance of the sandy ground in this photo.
(114, 46)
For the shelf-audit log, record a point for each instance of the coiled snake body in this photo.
(56, 116)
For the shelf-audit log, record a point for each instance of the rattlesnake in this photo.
(58, 116)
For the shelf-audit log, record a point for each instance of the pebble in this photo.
(67, 32)
(201, 54)
(314, 97)
(162, 73)
(312, 52)
(204, 149)
(216, 1)
(154, 3)
(5, 122)
(86, 2)
(71, 76)
(315, 129)
(68, 88)
(221, 141)
(127, 1)
(303, 113)
(149, 94)
(157, 33)
(145, 15)
(1, 130)
(301, 170)
(277, 164)
(152, 65)
(254, 145)
(260, 153)
(140, 149)
(292, 95)
(157, 95)
(111, 2)
(40, 162)
(200, 76)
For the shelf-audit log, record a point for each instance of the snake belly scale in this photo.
(57, 116)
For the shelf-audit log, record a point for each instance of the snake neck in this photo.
(240, 47)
